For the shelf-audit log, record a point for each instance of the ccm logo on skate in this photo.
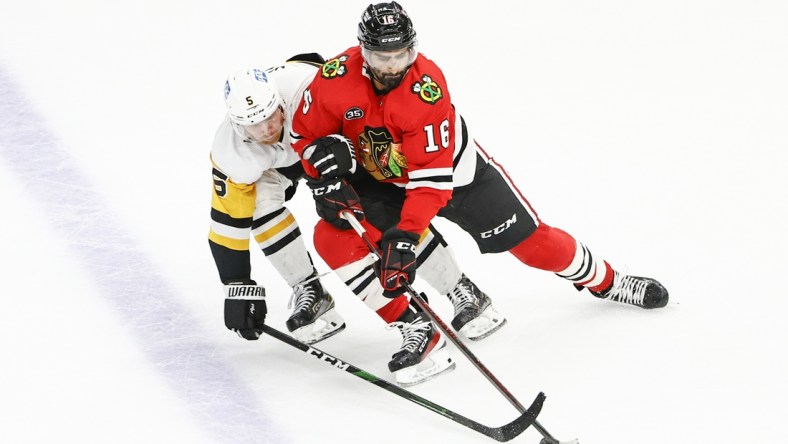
(328, 358)
(500, 228)
(324, 190)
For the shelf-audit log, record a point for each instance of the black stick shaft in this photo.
(503, 433)
(351, 218)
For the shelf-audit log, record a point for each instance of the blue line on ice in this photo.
(127, 279)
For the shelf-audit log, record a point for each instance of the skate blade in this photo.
(323, 328)
(437, 363)
(484, 325)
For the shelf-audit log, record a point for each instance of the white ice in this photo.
(654, 131)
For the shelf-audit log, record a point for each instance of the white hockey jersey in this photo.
(249, 192)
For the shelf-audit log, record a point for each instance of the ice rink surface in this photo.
(655, 132)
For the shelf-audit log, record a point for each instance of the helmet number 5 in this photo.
(444, 136)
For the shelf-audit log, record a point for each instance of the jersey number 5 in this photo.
(444, 136)
(307, 101)
(219, 183)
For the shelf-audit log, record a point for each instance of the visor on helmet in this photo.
(391, 61)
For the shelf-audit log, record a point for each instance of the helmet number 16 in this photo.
(444, 136)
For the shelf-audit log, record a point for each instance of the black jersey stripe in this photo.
(226, 219)
(432, 179)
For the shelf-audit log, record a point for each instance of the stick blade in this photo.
(515, 428)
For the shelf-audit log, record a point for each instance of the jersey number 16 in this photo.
(444, 136)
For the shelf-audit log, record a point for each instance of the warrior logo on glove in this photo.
(245, 308)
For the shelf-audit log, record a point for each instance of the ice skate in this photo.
(423, 354)
(314, 317)
(635, 290)
(474, 315)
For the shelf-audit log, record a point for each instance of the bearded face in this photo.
(389, 67)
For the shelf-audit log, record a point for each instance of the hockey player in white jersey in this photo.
(255, 171)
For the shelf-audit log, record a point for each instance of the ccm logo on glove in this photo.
(320, 191)
(334, 196)
(398, 258)
(406, 246)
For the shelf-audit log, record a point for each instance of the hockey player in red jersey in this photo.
(388, 106)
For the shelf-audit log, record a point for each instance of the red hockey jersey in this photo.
(406, 136)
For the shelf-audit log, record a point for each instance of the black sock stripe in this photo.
(426, 252)
(358, 289)
(283, 242)
(257, 223)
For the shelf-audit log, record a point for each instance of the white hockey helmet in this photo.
(251, 96)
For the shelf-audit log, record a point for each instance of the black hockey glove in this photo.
(398, 258)
(332, 156)
(245, 309)
(332, 197)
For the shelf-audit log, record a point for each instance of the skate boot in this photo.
(314, 317)
(474, 315)
(634, 290)
(423, 354)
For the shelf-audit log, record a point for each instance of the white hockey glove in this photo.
(332, 156)
(245, 309)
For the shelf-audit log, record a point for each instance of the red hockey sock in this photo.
(606, 282)
(548, 248)
(553, 249)
(394, 309)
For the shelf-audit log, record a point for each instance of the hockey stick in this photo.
(422, 303)
(504, 433)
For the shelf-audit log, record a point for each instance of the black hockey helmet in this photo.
(386, 27)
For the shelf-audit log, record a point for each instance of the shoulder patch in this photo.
(354, 113)
(427, 90)
(334, 68)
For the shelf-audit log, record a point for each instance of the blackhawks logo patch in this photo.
(427, 90)
(334, 68)
(381, 157)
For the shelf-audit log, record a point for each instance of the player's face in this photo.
(269, 130)
(391, 61)
(389, 67)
